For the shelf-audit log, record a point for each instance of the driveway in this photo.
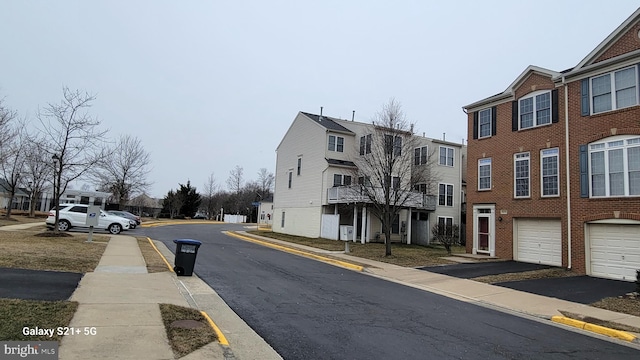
(579, 289)
(474, 270)
(37, 285)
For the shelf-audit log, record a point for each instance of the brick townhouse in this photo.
(554, 164)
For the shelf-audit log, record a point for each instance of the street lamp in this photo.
(55, 160)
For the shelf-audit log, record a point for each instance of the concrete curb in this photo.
(618, 334)
(324, 259)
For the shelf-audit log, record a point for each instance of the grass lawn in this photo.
(185, 340)
(16, 314)
(401, 254)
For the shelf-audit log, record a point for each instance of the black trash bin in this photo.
(186, 252)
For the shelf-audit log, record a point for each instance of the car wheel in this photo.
(63, 225)
(132, 227)
(115, 229)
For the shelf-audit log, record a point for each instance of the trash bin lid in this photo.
(187, 241)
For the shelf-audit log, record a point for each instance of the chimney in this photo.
(353, 115)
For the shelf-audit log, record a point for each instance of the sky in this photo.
(210, 85)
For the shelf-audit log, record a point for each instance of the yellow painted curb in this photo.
(618, 334)
(299, 252)
(159, 253)
(221, 338)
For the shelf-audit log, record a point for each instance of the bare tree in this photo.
(12, 168)
(209, 200)
(7, 131)
(265, 183)
(37, 170)
(235, 183)
(124, 172)
(385, 171)
(77, 143)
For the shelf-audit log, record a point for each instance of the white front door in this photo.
(484, 230)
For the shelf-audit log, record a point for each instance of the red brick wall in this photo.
(627, 43)
(584, 130)
(501, 148)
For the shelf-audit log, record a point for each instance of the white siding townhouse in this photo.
(315, 167)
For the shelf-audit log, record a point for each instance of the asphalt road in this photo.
(37, 284)
(311, 310)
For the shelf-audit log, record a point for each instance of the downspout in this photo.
(567, 175)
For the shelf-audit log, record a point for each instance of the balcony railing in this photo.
(355, 194)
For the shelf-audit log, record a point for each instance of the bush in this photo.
(638, 281)
(448, 235)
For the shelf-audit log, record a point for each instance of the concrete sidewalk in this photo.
(120, 300)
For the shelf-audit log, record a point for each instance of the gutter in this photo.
(568, 182)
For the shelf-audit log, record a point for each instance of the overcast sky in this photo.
(208, 85)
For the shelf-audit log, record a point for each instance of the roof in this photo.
(337, 162)
(4, 186)
(510, 90)
(327, 122)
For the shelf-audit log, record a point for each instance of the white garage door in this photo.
(539, 241)
(615, 251)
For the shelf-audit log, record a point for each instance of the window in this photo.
(79, 209)
(340, 180)
(336, 143)
(393, 143)
(84, 200)
(615, 167)
(97, 201)
(615, 90)
(282, 220)
(549, 166)
(445, 223)
(445, 194)
(535, 110)
(395, 225)
(395, 184)
(420, 155)
(484, 174)
(364, 180)
(521, 173)
(446, 156)
(420, 188)
(484, 123)
(365, 144)
(299, 165)
(290, 178)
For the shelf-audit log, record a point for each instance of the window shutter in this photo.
(584, 95)
(514, 116)
(584, 172)
(475, 124)
(554, 106)
(494, 120)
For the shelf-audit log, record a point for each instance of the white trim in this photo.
(542, 157)
(534, 111)
(492, 228)
(616, 221)
(453, 155)
(523, 156)
(613, 90)
(605, 149)
(446, 193)
(487, 162)
(490, 110)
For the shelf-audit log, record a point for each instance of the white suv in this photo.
(75, 215)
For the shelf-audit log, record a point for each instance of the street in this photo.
(307, 309)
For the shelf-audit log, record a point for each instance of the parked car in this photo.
(75, 215)
(126, 214)
(199, 216)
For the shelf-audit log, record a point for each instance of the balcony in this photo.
(354, 194)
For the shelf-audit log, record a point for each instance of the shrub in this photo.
(448, 235)
(638, 281)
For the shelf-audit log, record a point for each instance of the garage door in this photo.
(615, 251)
(539, 241)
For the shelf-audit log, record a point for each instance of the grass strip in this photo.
(185, 341)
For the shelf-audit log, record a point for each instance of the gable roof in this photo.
(327, 122)
(4, 186)
(610, 40)
(509, 92)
